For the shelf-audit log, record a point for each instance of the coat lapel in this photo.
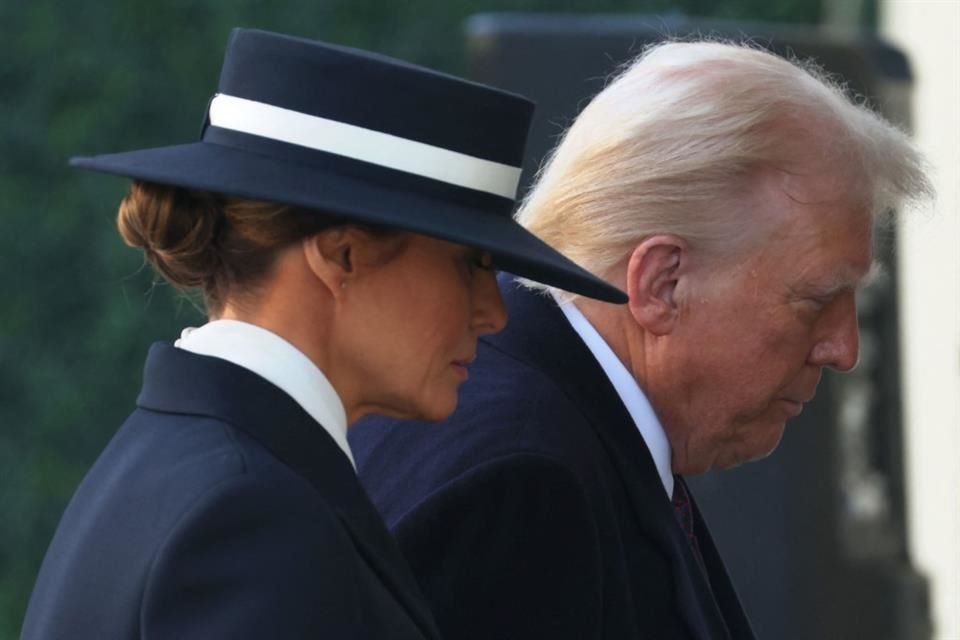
(183, 382)
(545, 340)
(737, 623)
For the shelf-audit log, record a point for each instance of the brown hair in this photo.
(219, 245)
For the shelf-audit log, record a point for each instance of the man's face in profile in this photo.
(756, 335)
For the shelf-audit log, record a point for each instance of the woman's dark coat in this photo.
(220, 509)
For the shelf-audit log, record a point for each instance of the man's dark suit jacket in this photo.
(221, 509)
(536, 510)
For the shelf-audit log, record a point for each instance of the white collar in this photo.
(278, 362)
(629, 391)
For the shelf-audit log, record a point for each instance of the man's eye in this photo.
(810, 305)
(820, 302)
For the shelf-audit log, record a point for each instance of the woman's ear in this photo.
(330, 256)
(653, 273)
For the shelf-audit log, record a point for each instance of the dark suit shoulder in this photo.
(178, 526)
(507, 406)
(182, 459)
(521, 485)
(247, 553)
(515, 533)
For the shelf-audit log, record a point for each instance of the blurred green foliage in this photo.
(79, 309)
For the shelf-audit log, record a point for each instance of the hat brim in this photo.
(227, 170)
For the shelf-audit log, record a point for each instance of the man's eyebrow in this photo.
(849, 280)
(876, 271)
(853, 281)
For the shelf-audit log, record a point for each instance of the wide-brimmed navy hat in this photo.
(366, 137)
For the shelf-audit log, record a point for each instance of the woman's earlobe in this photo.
(328, 256)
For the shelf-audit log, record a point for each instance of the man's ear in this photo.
(330, 256)
(653, 274)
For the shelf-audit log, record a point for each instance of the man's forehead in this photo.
(811, 205)
(825, 185)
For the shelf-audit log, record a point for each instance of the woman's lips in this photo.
(460, 366)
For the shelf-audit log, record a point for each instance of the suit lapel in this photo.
(545, 340)
(738, 625)
(183, 382)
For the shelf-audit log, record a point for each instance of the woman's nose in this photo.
(490, 315)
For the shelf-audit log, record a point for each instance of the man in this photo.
(733, 196)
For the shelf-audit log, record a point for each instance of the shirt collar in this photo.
(276, 361)
(629, 392)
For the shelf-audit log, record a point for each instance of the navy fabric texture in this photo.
(377, 92)
(536, 511)
(220, 509)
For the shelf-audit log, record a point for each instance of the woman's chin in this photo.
(439, 412)
(436, 410)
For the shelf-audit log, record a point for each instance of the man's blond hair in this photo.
(670, 145)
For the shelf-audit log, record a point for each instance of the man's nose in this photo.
(839, 343)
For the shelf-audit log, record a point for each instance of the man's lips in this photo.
(794, 408)
(799, 397)
(796, 402)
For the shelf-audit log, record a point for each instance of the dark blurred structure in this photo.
(815, 536)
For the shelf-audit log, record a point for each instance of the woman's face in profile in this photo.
(413, 327)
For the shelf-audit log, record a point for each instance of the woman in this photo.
(341, 217)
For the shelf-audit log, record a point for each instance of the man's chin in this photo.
(764, 449)
(751, 452)
(757, 441)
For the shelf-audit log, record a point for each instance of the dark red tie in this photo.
(684, 512)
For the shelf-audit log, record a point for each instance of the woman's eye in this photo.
(484, 260)
(480, 260)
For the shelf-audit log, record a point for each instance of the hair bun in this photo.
(177, 229)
